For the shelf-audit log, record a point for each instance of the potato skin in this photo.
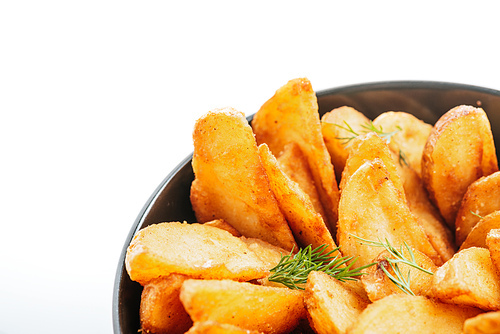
(468, 279)
(481, 198)
(230, 182)
(332, 305)
(459, 150)
(161, 310)
(291, 115)
(254, 307)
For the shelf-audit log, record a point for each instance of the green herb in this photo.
(401, 281)
(402, 158)
(367, 127)
(370, 127)
(293, 269)
(476, 214)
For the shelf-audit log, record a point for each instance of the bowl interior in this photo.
(170, 201)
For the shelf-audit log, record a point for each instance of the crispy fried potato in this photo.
(306, 224)
(411, 314)
(368, 147)
(334, 125)
(293, 162)
(195, 250)
(486, 323)
(332, 305)
(230, 182)
(291, 115)
(459, 150)
(477, 237)
(213, 327)
(161, 310)
(224, 225)
(469, 279)
(410, 135)
(372, 208)
(440, 235)
(493, 244)
(378, 285)
(254, 307)
(481, 198)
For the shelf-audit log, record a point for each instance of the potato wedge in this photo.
(291, 115)
(293, 162)
(477, 236)
(411, 314)
(332, 305)
(468, 279)
(372, 208)
(486, 323)
(334, 125)
(254, 307)
(230, 182)
(213, 327)
(368, 147)
(440, 235)
(410, 135)
(161, 310)
(195, 250)
(306, 224)
(493, 244)
(378, 285)
(459, 150)
(481, 198)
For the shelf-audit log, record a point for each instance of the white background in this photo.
(98, 100)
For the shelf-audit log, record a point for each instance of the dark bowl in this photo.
(170, 201)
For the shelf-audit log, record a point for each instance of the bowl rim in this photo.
(351, 88)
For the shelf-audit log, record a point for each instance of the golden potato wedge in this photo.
(334, 127)
(368, 147)
(440, 235)
(332, 306)
(486, 323)
(477, 236)
(291, 115)
(410, 135)
(372, 208)
(161, 310)
(230, 182)
(213, 327)
(306, 224)
(378, 285)
(469, 278)
(224, 225)
(254, 307)
(411, 314)
(481, 198)
(195, 250)
(459, 150)
(493, 244)
(293, 162)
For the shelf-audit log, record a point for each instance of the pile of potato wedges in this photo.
(291, 178)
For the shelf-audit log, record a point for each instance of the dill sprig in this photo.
(476, 214)
(402, 158)
(367, 127)
(370, 127)
(400, 280)
(293, 269)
